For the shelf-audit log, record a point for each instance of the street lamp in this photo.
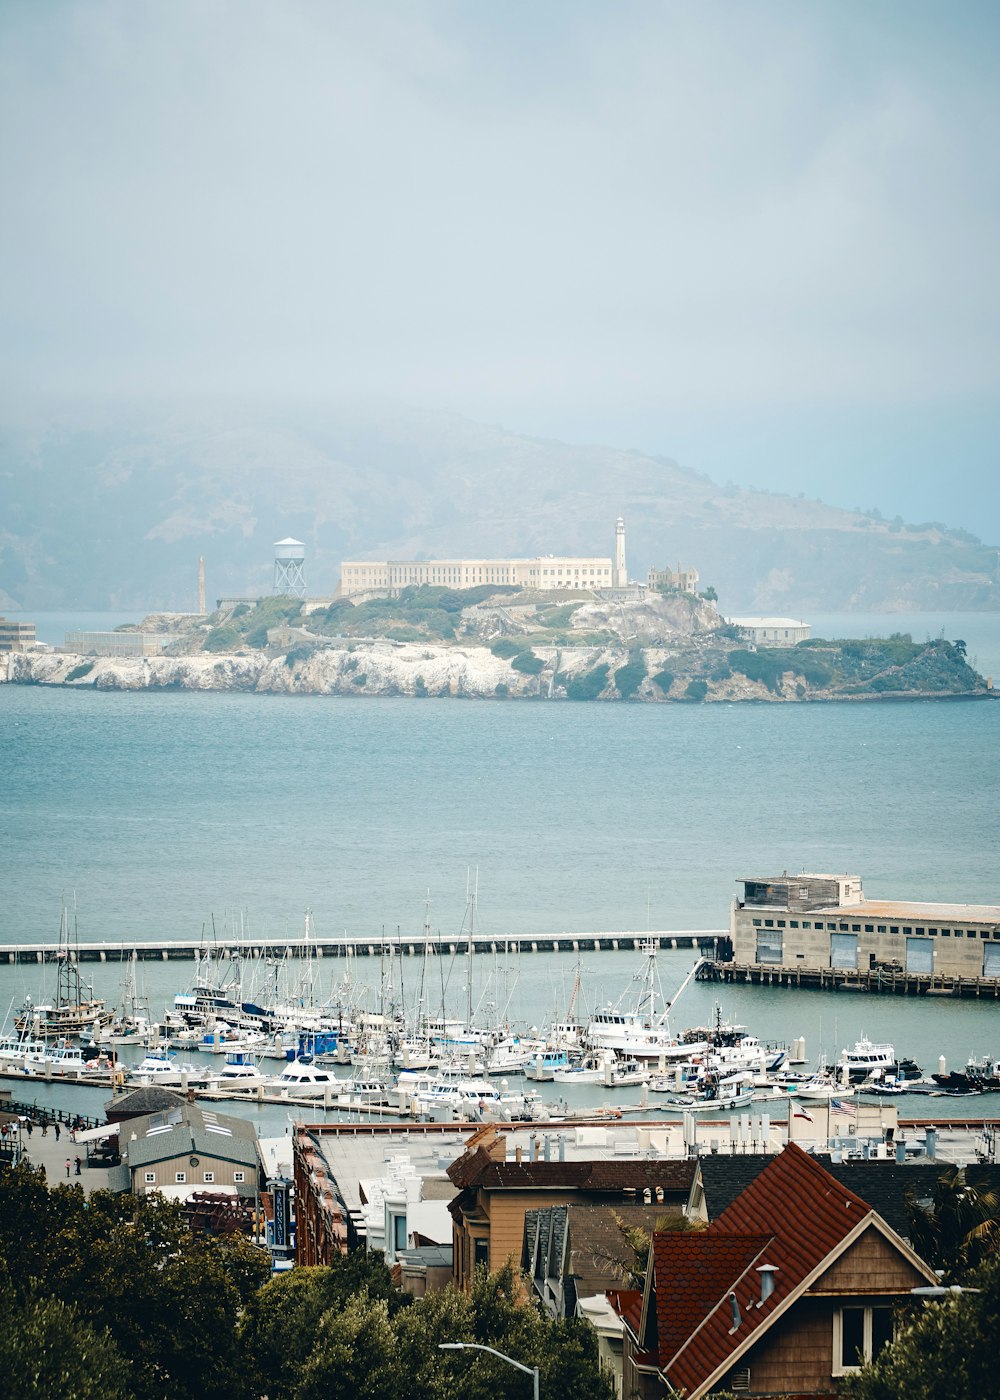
(477, 1346)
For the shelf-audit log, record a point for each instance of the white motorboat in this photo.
(821, 1089)
(305, 1079)
(164, 1069)
(867, 1058)
(463, 1095)
(239, 1072)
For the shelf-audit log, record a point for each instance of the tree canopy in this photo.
(111, 1297)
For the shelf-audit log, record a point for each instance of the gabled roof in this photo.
(794, 1216)
(883, 1185)
(692, 1267)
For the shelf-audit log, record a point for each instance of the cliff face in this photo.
(699, 669)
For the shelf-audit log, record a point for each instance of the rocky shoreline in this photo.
(420, 671)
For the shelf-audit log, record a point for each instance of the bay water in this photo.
(163, 815)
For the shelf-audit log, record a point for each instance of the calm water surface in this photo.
(158, 814)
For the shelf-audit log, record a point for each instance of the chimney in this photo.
(532, 1146)
(518, 1153)
(562, 1147)
(547, 1148)
(767, 1273)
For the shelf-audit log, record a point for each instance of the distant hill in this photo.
(110, 510)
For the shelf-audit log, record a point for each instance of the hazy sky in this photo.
(760, 237)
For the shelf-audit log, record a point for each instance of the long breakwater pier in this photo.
(356, 945)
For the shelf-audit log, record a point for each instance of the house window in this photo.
(180, 1177)
(481, 1253)
(859, 1335)
(209, 1177)
(399, 1231)
(150, 1178)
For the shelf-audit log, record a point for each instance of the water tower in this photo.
(290, 568)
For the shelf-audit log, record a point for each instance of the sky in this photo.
(760, 238)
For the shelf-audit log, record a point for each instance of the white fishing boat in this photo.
(643, 1032)
(75, 1008)
(361, 1091)
(58, 1059)
(543, 1066)
(512, 1055)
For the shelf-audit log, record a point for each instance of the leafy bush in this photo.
(420, 687)
(295, 654)
(527, 663)
(589, 684)
(696, 690)
(224, 638)
(78, 672)
(360, 679)
(629, 678)
(505, 647)
(501, 690)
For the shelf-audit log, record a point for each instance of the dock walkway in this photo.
(359, 945)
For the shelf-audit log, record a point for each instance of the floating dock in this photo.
(359, 945)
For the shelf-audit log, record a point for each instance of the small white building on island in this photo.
(773, 631)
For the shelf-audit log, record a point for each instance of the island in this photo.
(668, 646)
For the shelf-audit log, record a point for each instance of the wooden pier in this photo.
(360, 945)
(886, 981)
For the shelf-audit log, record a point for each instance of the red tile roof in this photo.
(793, 1215)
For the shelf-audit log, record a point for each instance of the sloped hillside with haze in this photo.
(112, 510)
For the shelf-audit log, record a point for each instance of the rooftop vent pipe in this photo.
(767, 1273)
(734, 1305)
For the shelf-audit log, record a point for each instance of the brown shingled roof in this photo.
(477, 1168)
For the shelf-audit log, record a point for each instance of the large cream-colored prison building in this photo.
(544, 573)
(805, 922)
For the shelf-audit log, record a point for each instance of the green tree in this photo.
(225, 638)
(279, 1327)
(696, 690)
(355, 1355)
(944, 1350)
(959, 1229)
(48, 1350)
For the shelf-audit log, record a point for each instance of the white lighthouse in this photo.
(619, 579)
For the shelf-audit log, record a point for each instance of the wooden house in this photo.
(793, 1285)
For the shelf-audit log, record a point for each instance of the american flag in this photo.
(839, 1106)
